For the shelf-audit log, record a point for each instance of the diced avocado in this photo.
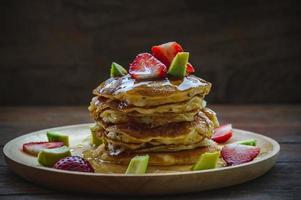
(207, 161)
(94, 139)
(48, 157)
(54, 136)
(204, 103)
(138, 165)
(177, 68)
(117, 70)
(249, 142)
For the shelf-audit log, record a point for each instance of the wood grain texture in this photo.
(56, 52)
(279, 122)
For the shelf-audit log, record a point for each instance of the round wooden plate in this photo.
(160, 183)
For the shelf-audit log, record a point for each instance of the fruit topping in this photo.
(117, 70)
(223, 133)
(166, 52)
(138, 165)
(74, 163)
(190, 69)
(47, 157)
(207, 161)
(94, 139)
(235, 154)
(33, 148)
(250, 142)
(177, 67)
(146, 66)
(54, 136)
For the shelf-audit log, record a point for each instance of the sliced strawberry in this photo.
(74, 163)
(33, 148)
(222, 133)
(146, 66)
(190, 69)
(166, 52)
(235, 154)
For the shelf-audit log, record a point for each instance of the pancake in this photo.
(110, 116)
(116, 117)
(152, 93)
(190, 137)
(115, 147)
(100, 103)
(110, 112)
(127, 137)
(170, 132)
(184, 157)
(124, 142)
(170, 137)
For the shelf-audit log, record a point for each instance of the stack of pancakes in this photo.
(165, 119)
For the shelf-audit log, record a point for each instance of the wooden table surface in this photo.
(281, 122)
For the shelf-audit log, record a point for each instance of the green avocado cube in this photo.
(177, 68)
(94, 139)
(207, 161)
(54, 136)
(48, 157)
(117, 70)
(138, 165)
(249, 142)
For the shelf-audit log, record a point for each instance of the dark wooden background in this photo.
(56, 52)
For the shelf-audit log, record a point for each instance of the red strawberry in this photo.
(222, 133)
(74, 163)
(33, 148)
(166, 52)
(235, 154)
(146, 66)
(190, 69)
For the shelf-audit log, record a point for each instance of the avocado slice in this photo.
(138, 165)
(249, 142)
(94, 139)
(48, 157)
(54, 136)
(117, 70)
(207, 160)
(177, 68)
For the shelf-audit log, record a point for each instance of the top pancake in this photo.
(152, 93)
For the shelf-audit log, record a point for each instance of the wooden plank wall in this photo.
(56, 52)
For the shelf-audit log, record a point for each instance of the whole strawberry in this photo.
(74, 163)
